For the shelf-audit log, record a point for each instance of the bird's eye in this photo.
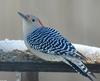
(33, 20)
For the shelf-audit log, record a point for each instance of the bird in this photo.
(48, 43)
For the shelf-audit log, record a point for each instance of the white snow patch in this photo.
(10, 45)
(87, 49)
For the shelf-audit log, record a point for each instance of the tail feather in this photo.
(90, 75)
(81, 68)
(81, 56)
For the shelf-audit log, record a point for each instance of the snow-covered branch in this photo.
(10, 45)
(15, 50)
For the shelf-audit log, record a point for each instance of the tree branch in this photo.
(15, 50)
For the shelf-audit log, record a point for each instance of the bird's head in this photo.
(30, 22)
(30, 19)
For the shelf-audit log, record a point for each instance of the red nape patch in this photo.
(40, 22)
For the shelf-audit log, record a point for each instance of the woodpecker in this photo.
(48, 44)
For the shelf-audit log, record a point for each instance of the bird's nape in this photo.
(40, 22)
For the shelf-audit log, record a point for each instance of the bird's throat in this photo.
(28, 28)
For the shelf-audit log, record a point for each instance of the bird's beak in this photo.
(22, 15)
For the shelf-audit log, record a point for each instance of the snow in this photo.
(85, 48)
(10, 45)
(93, 53)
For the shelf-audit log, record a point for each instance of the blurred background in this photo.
(78, 20)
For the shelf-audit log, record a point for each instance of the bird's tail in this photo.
(79, 66)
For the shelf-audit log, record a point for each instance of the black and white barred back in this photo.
(50, 41)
